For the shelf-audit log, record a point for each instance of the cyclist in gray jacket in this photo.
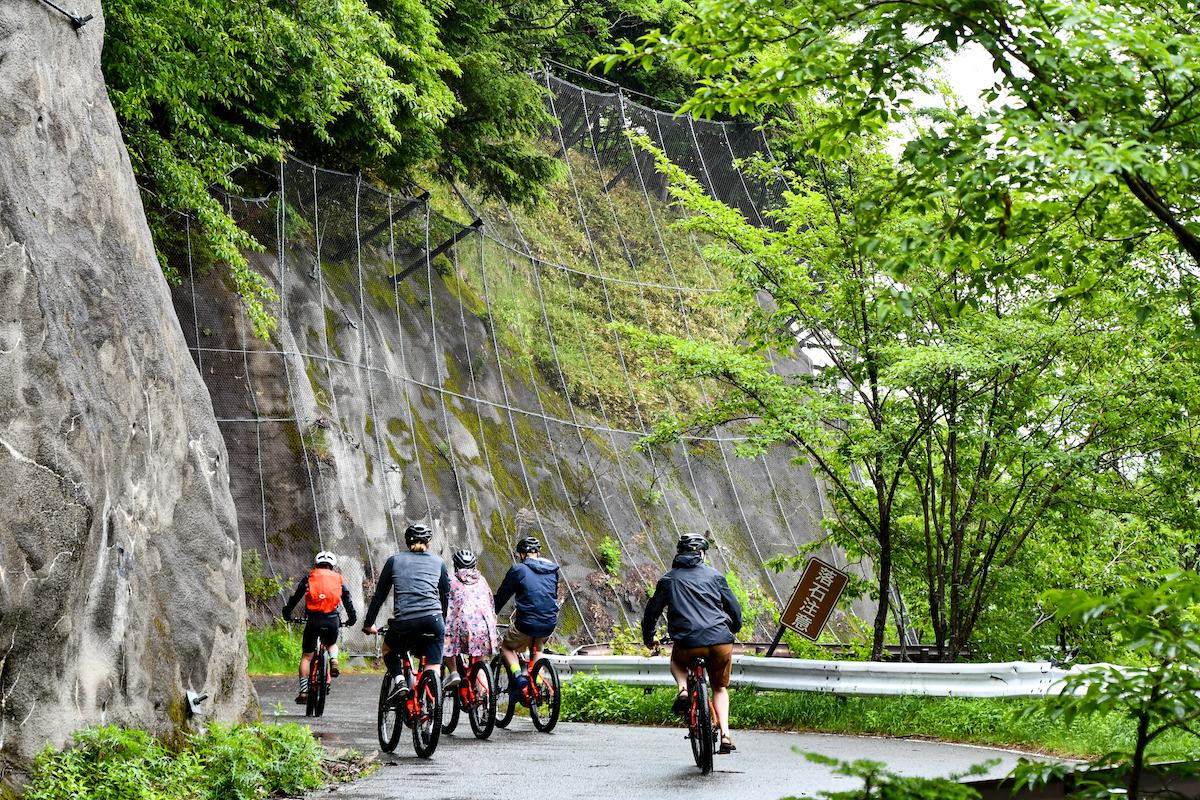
(420, 587)
(702, 617)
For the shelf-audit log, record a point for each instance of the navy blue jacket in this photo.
(535, 583)
(701, 608)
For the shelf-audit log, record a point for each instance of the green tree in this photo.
(203, 87)
(1094, 118)
(947, 432)
(1160, 692)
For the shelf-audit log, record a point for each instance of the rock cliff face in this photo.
(380, 402)
(120, 581)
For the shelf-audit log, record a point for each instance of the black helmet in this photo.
(464, 559)
(529, 544)
(690, 542)
(417, 533)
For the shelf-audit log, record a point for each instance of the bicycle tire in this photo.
(700, 725)
(389, 719)
(451, 706)
(545, 696)
(316, 684)
(481, 708)
(427, 721)
(506, 704)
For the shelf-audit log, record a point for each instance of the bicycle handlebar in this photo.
(293, 621)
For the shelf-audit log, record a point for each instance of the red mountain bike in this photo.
(703, 732)
(476, 693)
(319, 679)
(542, 692)
(420, 708)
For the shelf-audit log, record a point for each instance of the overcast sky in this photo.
(969, 72)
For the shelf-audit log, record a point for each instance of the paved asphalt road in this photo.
(582, 760)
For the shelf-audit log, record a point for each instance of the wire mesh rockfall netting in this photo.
(466, 369)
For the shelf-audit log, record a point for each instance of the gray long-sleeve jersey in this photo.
(419, 583)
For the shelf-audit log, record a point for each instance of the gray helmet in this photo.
(529, 544)
(326, 558)
(690, 542)
(417, 533)
(464, 559)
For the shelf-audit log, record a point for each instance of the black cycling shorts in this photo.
(411, 636)
(325, 628)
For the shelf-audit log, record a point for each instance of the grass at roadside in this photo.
(986, 721)
(227, 762)
(274, 649)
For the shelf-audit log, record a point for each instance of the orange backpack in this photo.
(324, 591)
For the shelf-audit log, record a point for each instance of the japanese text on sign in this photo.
(816, 596)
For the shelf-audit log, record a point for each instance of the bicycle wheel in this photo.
(506, 703)
(427, 721)
(545, 697)
(451, 705)
(316, 684)
(700, 725)
(390, 725)
(481, 706)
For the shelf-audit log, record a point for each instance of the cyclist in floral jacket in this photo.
(471, 620)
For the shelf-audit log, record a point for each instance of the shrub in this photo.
(248, 761)
(229, 762)
(260, 587)
(610, 555)
(879, 784)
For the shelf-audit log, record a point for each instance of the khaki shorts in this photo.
(518, 641)
(719, 657)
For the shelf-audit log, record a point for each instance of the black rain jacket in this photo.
(701, 608)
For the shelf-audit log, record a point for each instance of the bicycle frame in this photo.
(410, 704)
(466, 691)
(702, 716)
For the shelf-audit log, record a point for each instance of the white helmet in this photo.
(327, 558)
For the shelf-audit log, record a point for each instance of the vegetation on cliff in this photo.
(206, 88)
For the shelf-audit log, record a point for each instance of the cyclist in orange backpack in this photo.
(322, 590)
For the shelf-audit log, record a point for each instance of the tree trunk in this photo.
(1139, 754)
(885, 581)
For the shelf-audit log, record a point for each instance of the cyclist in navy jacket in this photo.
(534, 583)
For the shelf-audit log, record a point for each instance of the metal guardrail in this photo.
(861, 678)
(918, 653)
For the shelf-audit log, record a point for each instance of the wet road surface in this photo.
(583, 760)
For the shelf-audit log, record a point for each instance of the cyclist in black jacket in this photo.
(322, 590)
(702, 618)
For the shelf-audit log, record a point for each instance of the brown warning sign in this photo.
(815, 597)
